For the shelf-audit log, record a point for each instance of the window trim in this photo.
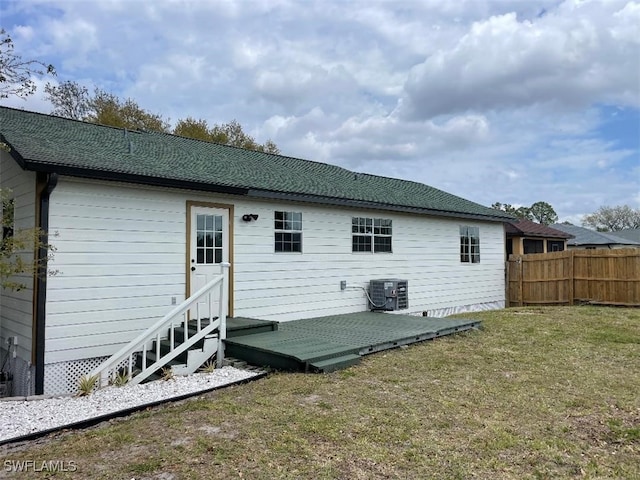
(290, 231)
(373, 228)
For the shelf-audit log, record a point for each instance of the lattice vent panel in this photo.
(62, 378)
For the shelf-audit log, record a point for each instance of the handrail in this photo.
(108, 369)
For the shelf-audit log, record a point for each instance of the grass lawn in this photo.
(538, 393)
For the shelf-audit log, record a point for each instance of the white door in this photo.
(209, 249)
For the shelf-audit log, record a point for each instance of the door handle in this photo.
(193, 269)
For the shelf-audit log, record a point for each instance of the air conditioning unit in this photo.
(389, 294)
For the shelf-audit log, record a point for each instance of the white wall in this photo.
(16, 307)
(426, 251)
(121, 256)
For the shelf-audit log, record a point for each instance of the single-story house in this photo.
(629, 234)
(133, 214)
(590, 239)
(525, 236)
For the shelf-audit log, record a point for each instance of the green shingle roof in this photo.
(53, 144)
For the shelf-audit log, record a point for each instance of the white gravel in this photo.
(22, 417)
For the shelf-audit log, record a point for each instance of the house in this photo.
(589, 239)
(135, 216)
(629, 234)
(525, 236)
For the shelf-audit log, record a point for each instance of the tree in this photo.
(16, 73)
(543, 213)
(16, 245)
(520, 212)
(612, 219)
(232, 134)
(72, 100)
(226, 133)
(69, 99)
(192, 128)
(107, 109)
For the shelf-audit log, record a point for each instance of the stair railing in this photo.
(123, 361)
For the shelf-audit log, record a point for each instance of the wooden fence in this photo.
(607, 277)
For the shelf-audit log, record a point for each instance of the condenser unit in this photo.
(389, 294)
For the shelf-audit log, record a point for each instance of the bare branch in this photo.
(16, 73)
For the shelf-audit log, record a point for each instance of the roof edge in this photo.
(538, 235)
(340, 202)
(132, 178)
(258, 194)
(14, 153)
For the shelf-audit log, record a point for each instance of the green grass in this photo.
(539, 393)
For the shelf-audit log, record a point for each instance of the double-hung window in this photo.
(288, 231)
(469, 244)
(371, 235)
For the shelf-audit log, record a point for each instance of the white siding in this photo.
(426, 251)
(16, 307)
(121, 255)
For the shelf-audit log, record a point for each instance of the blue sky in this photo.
(513, 101)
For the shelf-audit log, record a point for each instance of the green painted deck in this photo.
(329, 343)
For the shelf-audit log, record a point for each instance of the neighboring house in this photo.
(629, 234)
(525, 236)
(586, 238)
(128, 213)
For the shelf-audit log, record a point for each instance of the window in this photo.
(209, 239)
(470, 244)
(288, 231)
(555, 245)
(533, 246)
(371, 235)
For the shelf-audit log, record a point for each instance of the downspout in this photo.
(41, 282)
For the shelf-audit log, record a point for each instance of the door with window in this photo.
(209, 249)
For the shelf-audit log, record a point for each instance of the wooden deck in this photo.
(330, 343)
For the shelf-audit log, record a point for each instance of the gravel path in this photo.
(23, 417)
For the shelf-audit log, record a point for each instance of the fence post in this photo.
(520, 281)
(571, 276)
(507, 299)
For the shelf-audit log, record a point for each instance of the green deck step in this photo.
(239, 326)
(335, 363)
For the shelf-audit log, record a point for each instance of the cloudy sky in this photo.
(513, 101)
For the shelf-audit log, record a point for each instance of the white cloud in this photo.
(299, 84)
(490, 100)
(24, 32)
(579, 54)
